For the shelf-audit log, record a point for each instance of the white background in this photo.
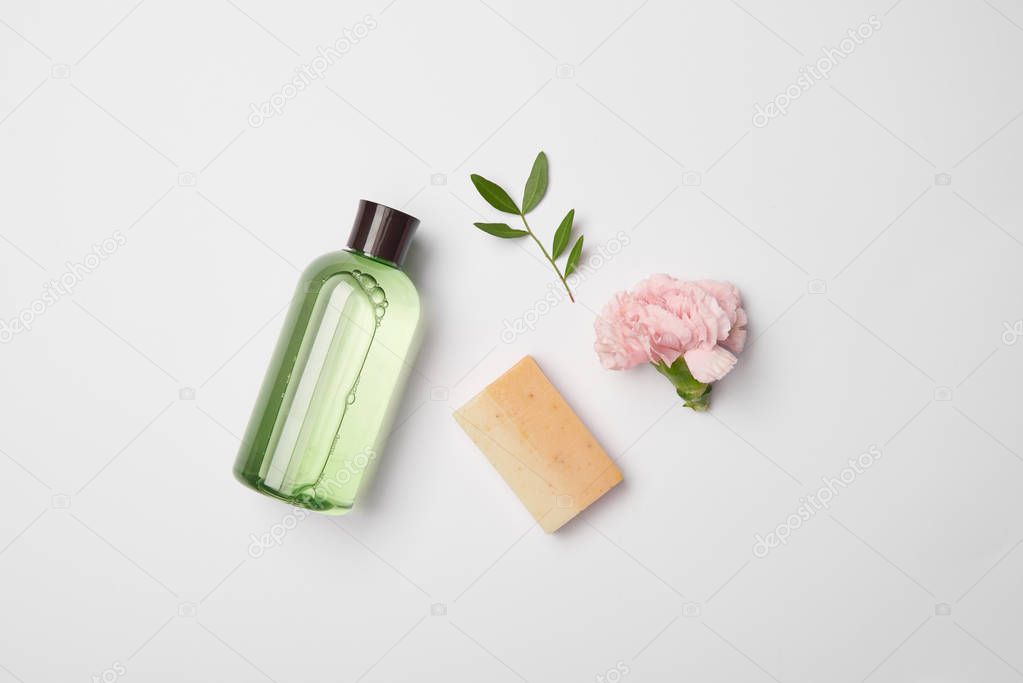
(882, 299)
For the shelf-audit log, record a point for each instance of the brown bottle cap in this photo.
(382, 232)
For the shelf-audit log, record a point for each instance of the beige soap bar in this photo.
(539, 445)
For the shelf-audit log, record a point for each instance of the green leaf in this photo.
(562, 235)
(536, 185)
(494, 194)
(500, 230)
(573, 256)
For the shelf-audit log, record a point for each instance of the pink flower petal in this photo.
(709, 365)
(737, 337)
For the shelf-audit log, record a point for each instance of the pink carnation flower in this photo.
(688, 330)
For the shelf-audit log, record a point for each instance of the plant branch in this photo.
(547, 256)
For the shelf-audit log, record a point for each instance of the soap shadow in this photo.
(581, 524)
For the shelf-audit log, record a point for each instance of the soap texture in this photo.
(539, 445)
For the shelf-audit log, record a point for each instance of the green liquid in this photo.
(334, 383)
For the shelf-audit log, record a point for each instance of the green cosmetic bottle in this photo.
(338, 372)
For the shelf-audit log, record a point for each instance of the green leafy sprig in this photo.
(536, 188)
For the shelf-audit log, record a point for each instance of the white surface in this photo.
(124, 541)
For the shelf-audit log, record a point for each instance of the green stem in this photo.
(693, 392)
(547, 256)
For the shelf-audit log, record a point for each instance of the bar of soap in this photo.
(539, 445)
